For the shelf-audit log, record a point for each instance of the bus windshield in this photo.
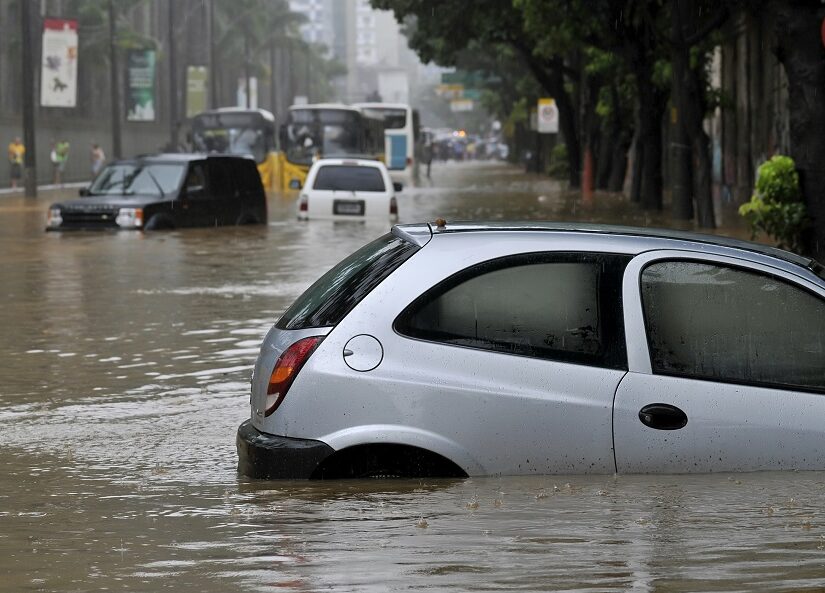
(394, 119)
(233, 133)
(322, 132)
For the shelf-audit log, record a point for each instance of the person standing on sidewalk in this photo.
(16, 153)
(98, 157)
(59, 156)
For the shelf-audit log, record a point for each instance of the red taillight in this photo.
(409, 161)
(393, 206)
(286, 369)
(303, 206)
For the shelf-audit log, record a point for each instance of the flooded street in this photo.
(126, 360)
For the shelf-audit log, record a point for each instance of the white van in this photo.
(348, 189)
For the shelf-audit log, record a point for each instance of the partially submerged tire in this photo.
(386, 462)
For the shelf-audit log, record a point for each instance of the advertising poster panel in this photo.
(196, 87)
(140, 85)
(58, 74)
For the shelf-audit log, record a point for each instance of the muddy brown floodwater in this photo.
(124, 368)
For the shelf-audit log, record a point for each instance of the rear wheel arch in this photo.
(386, 460)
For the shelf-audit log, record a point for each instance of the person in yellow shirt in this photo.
(16, 153)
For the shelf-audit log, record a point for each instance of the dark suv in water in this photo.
(167, 191)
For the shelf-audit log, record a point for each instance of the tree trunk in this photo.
(800, 49)
(651, 110)
(611, 139)
(681, 183)
(638, 166)
(550, 75)
(618, 164)
(702, 181)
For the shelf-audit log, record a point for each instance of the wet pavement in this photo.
(125, 367)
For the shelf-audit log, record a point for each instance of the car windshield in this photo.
(349, 178)
(154, 179)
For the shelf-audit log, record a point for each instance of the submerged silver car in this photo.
(457, 349)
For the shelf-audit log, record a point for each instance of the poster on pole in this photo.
(58, 72)
(140, 85)
(196, 87)
(548, 116)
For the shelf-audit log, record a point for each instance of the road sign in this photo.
(548, 116)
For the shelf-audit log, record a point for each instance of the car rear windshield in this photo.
(337, 292)
(349, 178)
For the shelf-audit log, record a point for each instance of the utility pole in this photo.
(212, 74)
(246, 60)
(117, 145)
(30, 162)
(173, 80)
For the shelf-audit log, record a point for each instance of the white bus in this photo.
(401, 135)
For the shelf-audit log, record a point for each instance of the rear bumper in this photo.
(262, 455)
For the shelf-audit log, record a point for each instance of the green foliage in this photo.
(559, 167)
(776, 207)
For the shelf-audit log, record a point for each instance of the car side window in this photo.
(196, 179)
(716, 322)
(560, 306)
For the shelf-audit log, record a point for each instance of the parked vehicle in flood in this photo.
(482, 349)
(166, 191)
(348, 189)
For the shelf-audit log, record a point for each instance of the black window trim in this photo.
(613, 318)
(741, 267)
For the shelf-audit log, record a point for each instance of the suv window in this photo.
(196, 178)
(337, 292)
(560, 306)
(349, 178)
(715, 322)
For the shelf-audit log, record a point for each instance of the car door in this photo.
(726, 367)
(514, 360)
(196, 203)
(224, 190)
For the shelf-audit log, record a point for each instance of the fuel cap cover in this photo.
(363, 353)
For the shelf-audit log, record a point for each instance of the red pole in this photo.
(587, 176)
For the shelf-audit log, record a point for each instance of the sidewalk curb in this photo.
(7, 191)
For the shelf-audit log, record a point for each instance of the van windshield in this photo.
(337, 292)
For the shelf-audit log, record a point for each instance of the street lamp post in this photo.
(117, 146)
(173, 80)
(30, 162)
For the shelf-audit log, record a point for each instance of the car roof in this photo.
(177, 157)
(361, 162)
(648, 238)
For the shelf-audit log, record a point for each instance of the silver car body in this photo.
(495, 413)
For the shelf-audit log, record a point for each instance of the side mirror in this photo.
(295, 184)
(83, 192)
(397, 186)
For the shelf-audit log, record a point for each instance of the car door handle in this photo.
(663, 417)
